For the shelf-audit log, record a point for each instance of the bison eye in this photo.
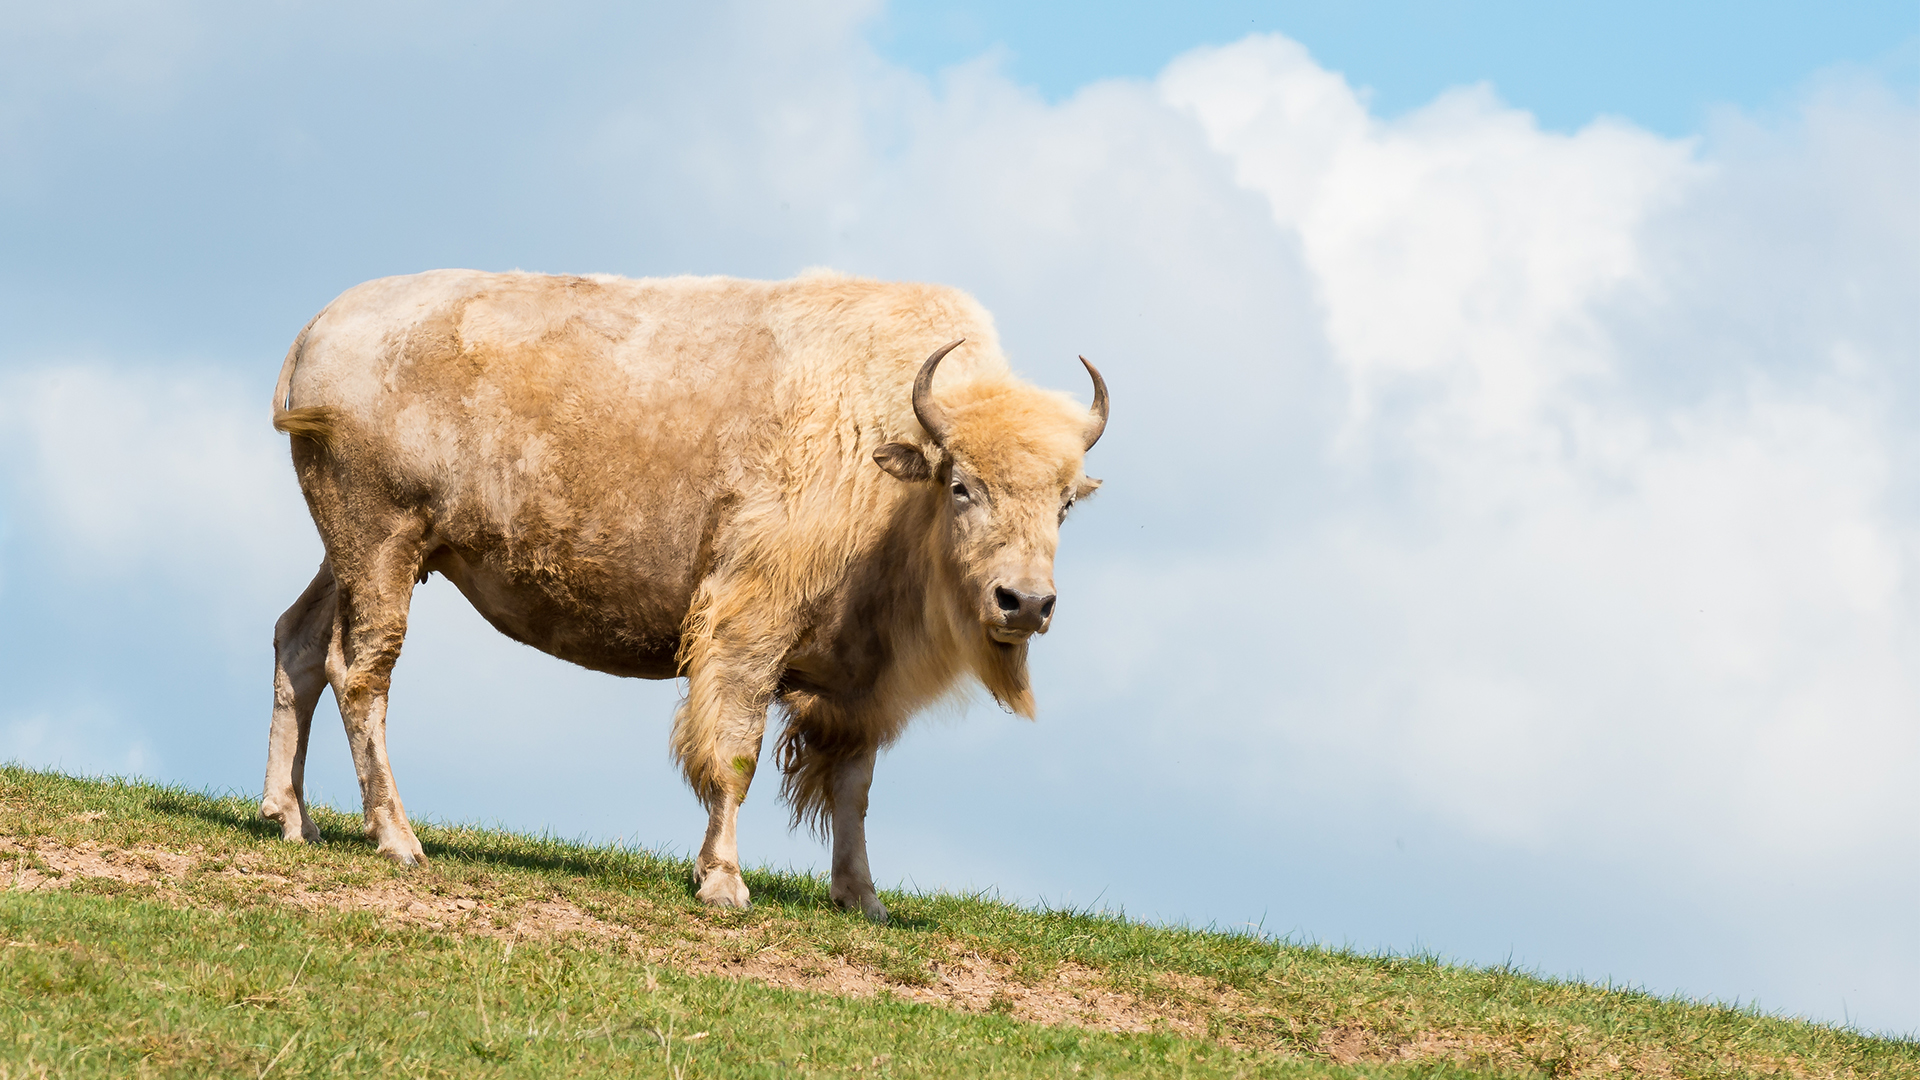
(959, 490)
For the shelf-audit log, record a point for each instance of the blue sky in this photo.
(1661, 65)
(1508, 548)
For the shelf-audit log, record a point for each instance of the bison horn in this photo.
(1099, 422)
(931, 416)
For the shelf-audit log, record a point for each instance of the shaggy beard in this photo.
(1003, 671)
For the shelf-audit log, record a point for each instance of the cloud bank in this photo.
(1509, 543)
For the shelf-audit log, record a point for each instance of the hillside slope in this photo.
(153, 931)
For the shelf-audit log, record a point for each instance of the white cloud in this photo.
(131, 471)
(1564, 582)
(1460, 242)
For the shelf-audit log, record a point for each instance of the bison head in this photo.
(1007, 464)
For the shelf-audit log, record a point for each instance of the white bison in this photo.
(774, 489)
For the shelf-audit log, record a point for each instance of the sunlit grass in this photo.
(212, 971)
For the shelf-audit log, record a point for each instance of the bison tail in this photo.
(314, 422)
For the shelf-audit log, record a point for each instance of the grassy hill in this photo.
(153, 931)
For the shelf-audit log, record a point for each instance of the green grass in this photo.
(112, 986)
(234, 956)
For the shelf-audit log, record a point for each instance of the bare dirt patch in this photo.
(1357, 1045)
(966, 981)
(50, 865)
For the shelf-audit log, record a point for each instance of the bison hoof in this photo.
(721, 888)
(295, 826)
(867, 904)
(404, 857)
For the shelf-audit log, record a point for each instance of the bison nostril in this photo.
(1006, 598)
(1046, 608)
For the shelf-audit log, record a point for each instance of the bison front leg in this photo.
(716, 873)
(717, 870)
(852, 886)
(300, 642)
(716, 738)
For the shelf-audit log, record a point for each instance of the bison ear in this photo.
(1087, 486)
(903, 462)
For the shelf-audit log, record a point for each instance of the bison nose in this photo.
(1023, 610)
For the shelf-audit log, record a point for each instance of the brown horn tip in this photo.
(931, 416)
(1099, 422)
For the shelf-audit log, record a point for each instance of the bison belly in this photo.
(634, 636)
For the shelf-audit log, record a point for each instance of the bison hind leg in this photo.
(300, 642)
(376, 571)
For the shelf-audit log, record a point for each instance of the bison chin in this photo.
(1002, 668)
